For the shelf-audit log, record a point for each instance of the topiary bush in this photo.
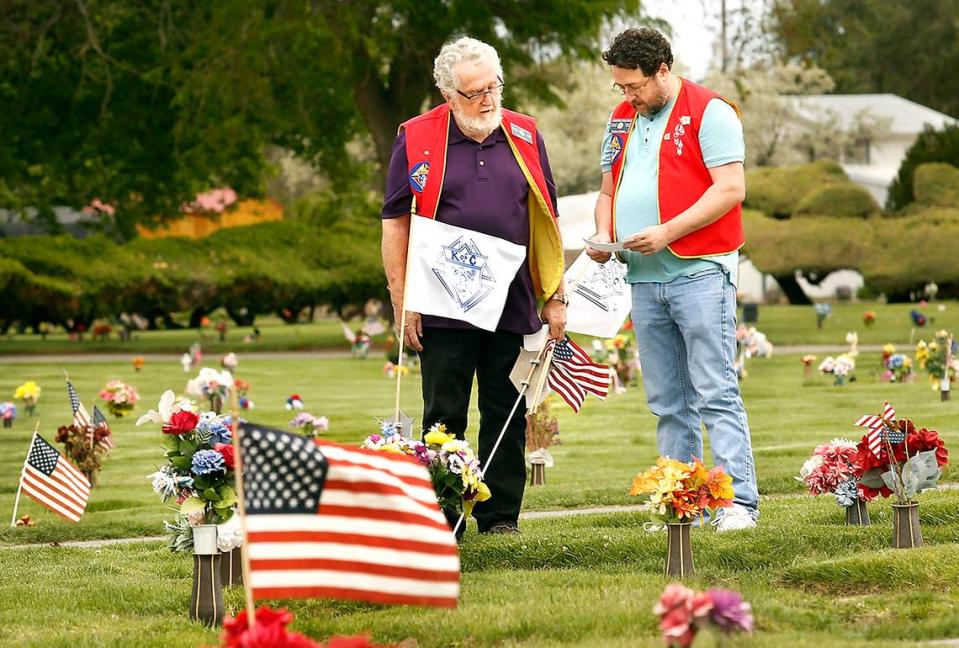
(842, 200)
(777, 191)
(936, 184)
(930, 146)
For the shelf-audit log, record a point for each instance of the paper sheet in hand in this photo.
(605, 247)
(599, 297)
(458, 273)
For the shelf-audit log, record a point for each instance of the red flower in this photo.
(181, 422)
(675, 609)
(226, 449)
(269, 632)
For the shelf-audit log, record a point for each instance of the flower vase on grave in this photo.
(231, 568)
(537, 475)
(206, 603)
(905, 524)
(857, 514)
(679, 551)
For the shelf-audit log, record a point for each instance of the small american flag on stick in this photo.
(573, 374)
(879, 425)
(52, 481)
(81, 418)
(331, 521)
(373, 327)
(100, 423)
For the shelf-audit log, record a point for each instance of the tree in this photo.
(930, 146)
(907, 48)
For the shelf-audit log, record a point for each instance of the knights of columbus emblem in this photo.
(418, 175)
(464, 272)
(603, 286)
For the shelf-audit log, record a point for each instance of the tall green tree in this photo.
(143, 103)
(907, 48)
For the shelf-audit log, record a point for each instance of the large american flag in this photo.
(52, 481)
(100, 422)
(879, 425)
(573, 374)
(332, 521)
(81, 418)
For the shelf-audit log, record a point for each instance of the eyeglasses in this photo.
(631, 88)
(495, 90)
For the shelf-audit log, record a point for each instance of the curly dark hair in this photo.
(643, 48)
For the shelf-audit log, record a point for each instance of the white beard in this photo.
(478, 127)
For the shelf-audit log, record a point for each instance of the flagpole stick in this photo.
(16, 502)
(535, 362)
(241, 504)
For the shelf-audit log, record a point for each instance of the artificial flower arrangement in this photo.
(807, 361)
(454, 469)
(85, 446)
(28, 393)
(677, 492)
(899, 460)
(842, 368)
(119, 397)
(897, 367)
(869, 318)
(832, 469)
(8, 413)
(542, 432)
(242, 387)
(138, 363)
(211, 385)
(683, 613)
(823, 311)
(309, 425)
(270, 631)
(199, 474)
(391, 370)
(294, 402)
(936, 355)
(230, 362)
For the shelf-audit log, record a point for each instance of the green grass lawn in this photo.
(782, 324)
(585, 581)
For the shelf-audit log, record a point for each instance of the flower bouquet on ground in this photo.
(869, 318)
(242, 388)
(309, 425)
(896, 458)
(684, 613)
(199, 474)
(294, 402)
(270, 631)
(119, 397)
(542, 431)
(938, 358)
(28, 394)
(622, 358)
(897, 367)
(454, 469)
(211, 385)
(842, 368)
(807, 361)
(674, 494)
(8, 413)
(832, 469)
(822, 312)
(85, 446)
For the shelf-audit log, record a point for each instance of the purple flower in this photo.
(730, 612)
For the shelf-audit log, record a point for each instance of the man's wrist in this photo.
(559, 296)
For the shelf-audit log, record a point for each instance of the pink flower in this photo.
(269, 632)
(675, 609)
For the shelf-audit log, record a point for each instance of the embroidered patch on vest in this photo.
(521, 133)
(620, 125)
(616, 146)
(418, 176)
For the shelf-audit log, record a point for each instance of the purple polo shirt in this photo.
(484, 190)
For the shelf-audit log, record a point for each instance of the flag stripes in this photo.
(81, 418)
(876, 425)
(51, 481)
(572, 374)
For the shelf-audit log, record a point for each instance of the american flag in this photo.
(572, 373)
(332, 521)
(373, 326)
(348, 333)
(878, 425)
(100, 421)
(81, 418)
(52, 481)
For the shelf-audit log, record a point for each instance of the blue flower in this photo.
(208, 461)
(846, 494)
(215, 431)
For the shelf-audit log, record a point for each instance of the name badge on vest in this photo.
(418, 176)
(521, 133)
(619, 125)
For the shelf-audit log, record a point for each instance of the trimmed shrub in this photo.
(777, 191)
(936, 184)
(842, 200)
(930, 146)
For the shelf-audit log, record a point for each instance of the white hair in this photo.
(462, 50)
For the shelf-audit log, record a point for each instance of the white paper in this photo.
(599, 297)
(535, 341)
(605, 247)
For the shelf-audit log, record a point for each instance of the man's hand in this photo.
(598, 255)
(648, 241)
(554, 314)
(414, 328)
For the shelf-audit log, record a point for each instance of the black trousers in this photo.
(449, 360)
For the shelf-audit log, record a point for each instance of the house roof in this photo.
(908, 117)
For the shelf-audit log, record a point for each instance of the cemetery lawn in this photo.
(583, 581)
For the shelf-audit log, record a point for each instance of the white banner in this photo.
(458, 273)
(599, 297)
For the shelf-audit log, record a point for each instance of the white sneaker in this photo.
(734, 518)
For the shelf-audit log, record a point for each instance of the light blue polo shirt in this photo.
(637, 199)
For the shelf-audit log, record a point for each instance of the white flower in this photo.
(165, 407)
(230, 361)
(229, 535)
(809, 465)
(840, 442)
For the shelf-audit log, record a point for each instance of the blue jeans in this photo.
(686, 331)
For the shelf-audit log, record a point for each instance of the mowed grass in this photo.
(581, 581)
(781, 323)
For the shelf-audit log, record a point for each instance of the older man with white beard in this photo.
(472, 164)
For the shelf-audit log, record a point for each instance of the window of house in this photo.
(857, 152)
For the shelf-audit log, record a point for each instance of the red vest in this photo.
(683, 176)
(426, 139)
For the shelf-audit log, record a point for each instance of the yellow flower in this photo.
(889, 348)
(482, 492)
(28, 390)
(437, 436)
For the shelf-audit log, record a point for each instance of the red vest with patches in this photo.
(683, 176)
(426, 139)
